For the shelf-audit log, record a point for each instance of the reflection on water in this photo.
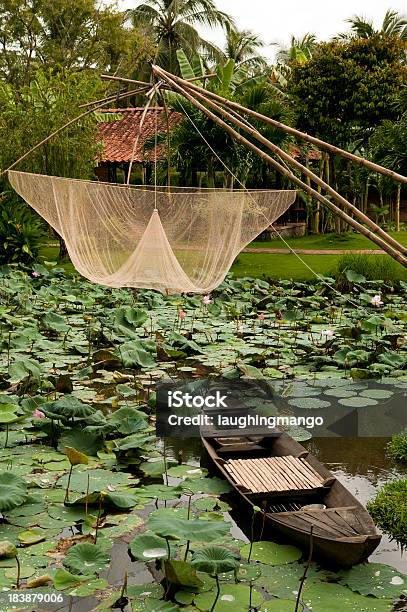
(362, 466)
(359, 463)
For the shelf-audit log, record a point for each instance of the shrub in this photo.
(21, 231)
(372, 267)
(389, 510)
(397, 447)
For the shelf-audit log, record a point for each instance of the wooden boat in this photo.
(296, 492)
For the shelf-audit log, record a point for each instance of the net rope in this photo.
(183, 241)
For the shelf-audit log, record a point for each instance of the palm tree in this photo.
(243, 47)
(300, 50)
(173, 23)
(393, 25)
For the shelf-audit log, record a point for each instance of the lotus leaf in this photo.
(154, 605)
(194, 530)
(147, 546)
(129, 420)
(75, 457)
(211, 486)
(98, 480)
(232, 597)
(32, 536)
(25, 572)
(324, 597)
(309, 403)
(187, 471)
(86, 558)
(7, 550)
(55, 322)
(215, 560)
(13, 491)
(154, 467)
(64, 580)
(69, 407)
(271, 553)
(83, 440)
(277, 605)
(181, 573)
(375, 579)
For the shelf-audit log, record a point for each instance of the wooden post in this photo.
(398, 207)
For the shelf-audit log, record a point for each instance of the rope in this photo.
(155, 161)
(316, 274)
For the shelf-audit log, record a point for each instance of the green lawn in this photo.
(348, 240)
(287, 266)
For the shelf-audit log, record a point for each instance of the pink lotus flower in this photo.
(182, 314)
(38, 414)
(329, 333)
(376, 300)
(261, 316)
(35, 274)
(206, 300)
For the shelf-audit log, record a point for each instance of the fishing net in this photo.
(129, 236)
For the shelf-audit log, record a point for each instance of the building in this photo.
(123, 141)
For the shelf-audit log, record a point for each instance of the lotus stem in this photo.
(124, 587)
(18, 572)
(311, 550)
(165, 462)
(251, 538)
(68, 483)
(87, 495)
(217, 592)
(168, 548)
(98, 517)
(5, 443)
(187, 550)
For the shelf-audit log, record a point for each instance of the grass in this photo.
(347, 240)
(289, 266)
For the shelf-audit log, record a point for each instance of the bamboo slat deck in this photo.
(265, 475)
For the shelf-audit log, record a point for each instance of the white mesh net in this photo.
(130, 236)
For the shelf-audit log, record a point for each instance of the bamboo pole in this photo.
(301, 168)
(111, 77)
(113, 97)
(395, 254)
(302, 135)
(61, 129)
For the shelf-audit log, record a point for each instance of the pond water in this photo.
(359, 463)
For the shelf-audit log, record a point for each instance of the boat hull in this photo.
(343, 534)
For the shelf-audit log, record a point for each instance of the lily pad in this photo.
(271, 553)
(13, 491)
(194, 530)
(232, 597)
(375, 579)
(86, 558)
(324, 597)
(32, 536)
(309, 403)
(147, 546)
(211, 486)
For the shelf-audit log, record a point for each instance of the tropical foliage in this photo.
(173, 24)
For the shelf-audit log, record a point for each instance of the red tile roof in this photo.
(119, 136)
(296, 152)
